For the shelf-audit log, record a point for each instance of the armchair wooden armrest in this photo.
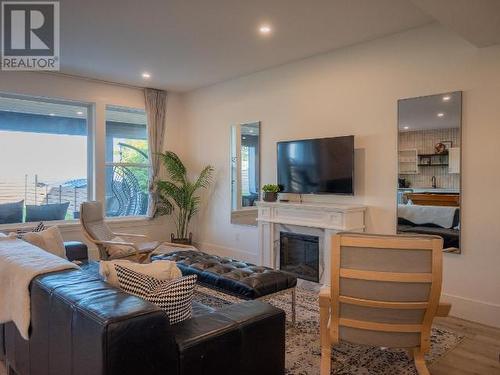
(112, 243)
(443, 309)
(130, 235)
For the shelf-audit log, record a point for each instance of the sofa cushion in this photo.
(11, 212)
(173, 296)
(46, 212)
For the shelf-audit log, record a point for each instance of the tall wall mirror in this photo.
(245, 172)
(429, 176)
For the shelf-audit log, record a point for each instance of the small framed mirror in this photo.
(245, 172)
(429, 167)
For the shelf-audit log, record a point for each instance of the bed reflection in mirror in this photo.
(245, 173)
(429, 175)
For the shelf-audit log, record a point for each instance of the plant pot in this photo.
(182, 241)
(270, 197)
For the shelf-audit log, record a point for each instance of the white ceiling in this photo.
(187, 44)
(477, 21)
(422, 113)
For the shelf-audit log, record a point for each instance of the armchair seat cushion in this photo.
(146, 246)
(119, 251)
(122, 251)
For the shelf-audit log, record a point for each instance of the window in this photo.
(127, 162)
(44, 159)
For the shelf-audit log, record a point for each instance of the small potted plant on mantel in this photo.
(177, 195)
(270, 192)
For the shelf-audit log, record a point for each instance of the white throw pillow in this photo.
(119, 251)
(49, 240)
(161, 270)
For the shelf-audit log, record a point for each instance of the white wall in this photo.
(355, 91)
(100, 94)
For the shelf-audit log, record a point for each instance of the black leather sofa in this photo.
(81, 325)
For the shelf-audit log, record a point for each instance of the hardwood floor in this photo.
(477, 354)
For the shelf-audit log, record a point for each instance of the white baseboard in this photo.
(228, 252)
(474, 310)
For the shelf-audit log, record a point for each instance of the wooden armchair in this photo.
(384, 292)
(136, 247)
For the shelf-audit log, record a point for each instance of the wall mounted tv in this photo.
(317, 166)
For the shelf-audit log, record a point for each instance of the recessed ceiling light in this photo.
(52, 114)
(251, 131)
(265, 29)
(406, 127)
(446, 98)
(440, 114)
(79, 113)
(146, 75)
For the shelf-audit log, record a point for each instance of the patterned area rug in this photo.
(302, 341)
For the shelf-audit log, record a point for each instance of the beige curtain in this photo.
(156, 107)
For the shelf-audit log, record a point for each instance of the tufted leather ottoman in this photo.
(240, 279)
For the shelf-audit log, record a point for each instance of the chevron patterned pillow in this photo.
(173, 296)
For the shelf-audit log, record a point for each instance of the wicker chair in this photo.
(384, 292)
(97, 232)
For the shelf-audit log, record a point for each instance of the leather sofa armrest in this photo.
(244, 338)
(76, 251)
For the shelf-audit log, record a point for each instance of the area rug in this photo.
(303, 348)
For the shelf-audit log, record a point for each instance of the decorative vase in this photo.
(182, 241)
(270, 197)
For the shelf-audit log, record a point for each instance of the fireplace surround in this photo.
(322, 220)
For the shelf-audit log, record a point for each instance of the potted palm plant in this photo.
(177, 195)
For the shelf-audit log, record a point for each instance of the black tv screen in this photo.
(324, 165)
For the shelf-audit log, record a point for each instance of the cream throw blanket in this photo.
(20, 262)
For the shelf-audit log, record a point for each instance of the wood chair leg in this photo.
(326, 346)
(420, 362)
(326, 361)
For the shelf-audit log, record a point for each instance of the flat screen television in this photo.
(317, 166)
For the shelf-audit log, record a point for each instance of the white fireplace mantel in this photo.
(326, 218)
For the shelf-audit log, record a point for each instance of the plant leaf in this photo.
(174, 166)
